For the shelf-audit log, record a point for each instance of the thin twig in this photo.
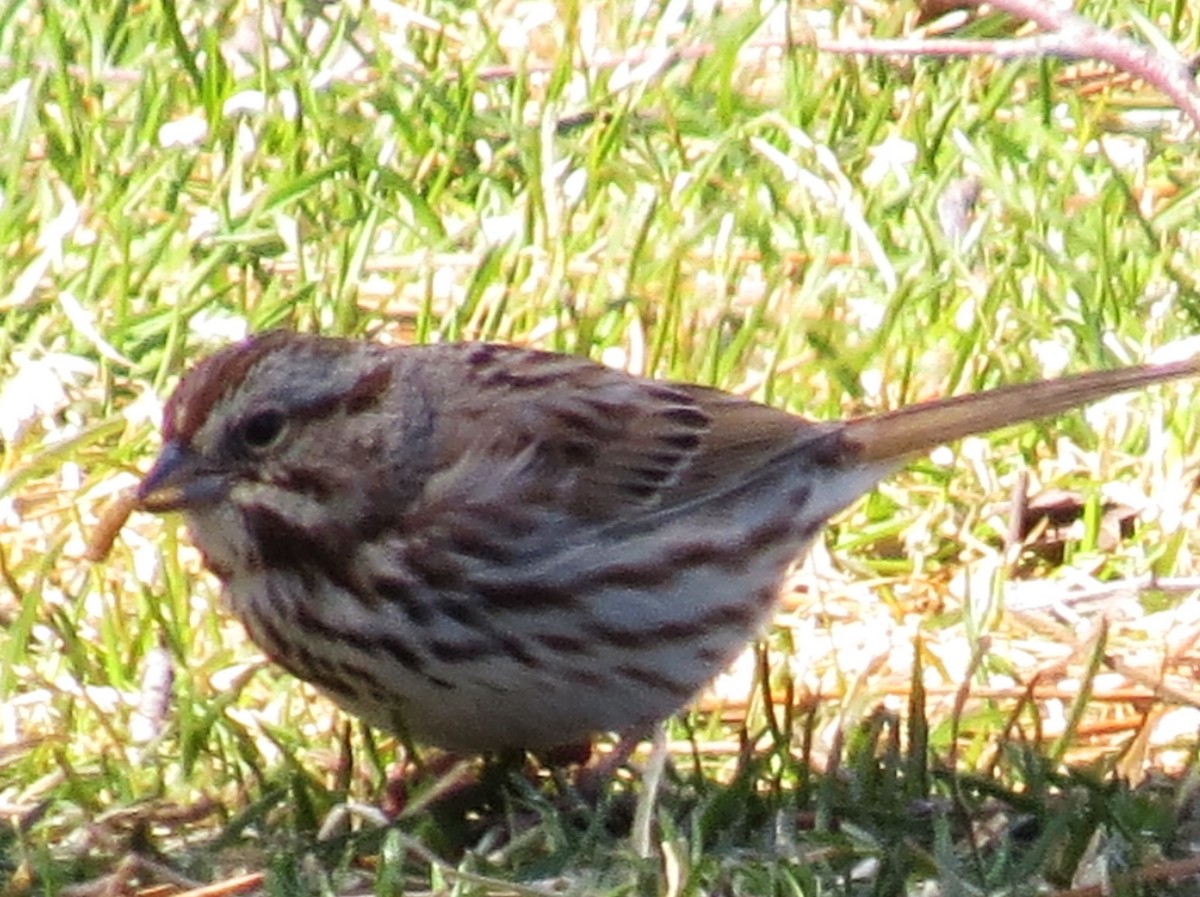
(1171, 74)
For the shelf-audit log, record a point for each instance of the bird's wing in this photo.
(598, 442)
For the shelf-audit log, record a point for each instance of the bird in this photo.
(487, 548)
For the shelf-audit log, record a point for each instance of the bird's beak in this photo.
(177, 482)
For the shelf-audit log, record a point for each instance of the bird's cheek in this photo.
(221, 535)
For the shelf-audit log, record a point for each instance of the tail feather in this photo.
(919, 428)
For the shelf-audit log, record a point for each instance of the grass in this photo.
(926, 717)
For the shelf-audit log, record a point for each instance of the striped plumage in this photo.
(489, 547)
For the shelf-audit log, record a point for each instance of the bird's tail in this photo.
(919, 428)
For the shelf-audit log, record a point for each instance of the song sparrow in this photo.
(488, 547)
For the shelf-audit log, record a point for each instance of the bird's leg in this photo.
(600, 769)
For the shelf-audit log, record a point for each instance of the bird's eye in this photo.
(263, 429)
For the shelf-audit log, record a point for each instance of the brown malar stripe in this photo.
(285, 544)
